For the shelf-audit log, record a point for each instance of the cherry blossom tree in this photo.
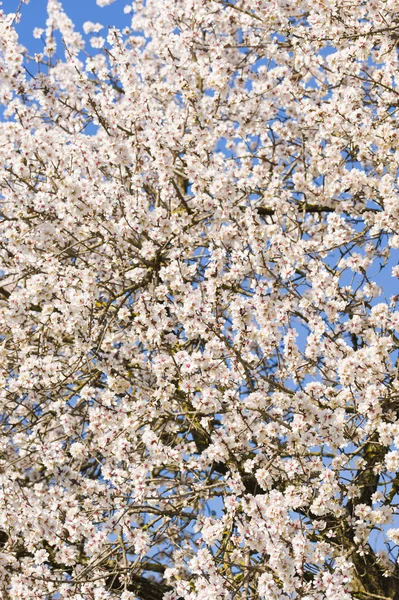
(199, 220)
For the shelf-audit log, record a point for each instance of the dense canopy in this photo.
(199, 223)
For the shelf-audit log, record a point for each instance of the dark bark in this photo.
(144, 588)
(264, 211)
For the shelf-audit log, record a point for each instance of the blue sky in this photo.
(34, 15)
